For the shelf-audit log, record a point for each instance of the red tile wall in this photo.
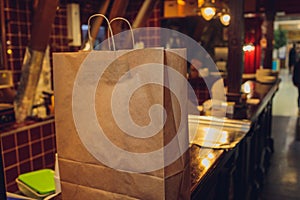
(17, 27)
(27, 149)
(18, 15)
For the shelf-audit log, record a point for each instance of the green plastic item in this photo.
(42, 181)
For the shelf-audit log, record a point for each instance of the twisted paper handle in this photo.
(109, 29)
(130, 28)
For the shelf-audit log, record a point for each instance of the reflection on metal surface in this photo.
(202, 159)
(290, 177)
(210, 155)
(246, 87)
(205, 162)
(209, 136)
(215, 121)
(218, 133)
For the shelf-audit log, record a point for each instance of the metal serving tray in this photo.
(216, 133)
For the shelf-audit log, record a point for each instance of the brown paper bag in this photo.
(99, 158)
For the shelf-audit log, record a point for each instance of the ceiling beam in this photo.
(144, 13)
(43, 18)
(98, 21)
(118, 9)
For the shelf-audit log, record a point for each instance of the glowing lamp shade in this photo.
(248, 47)
(225, 19)
(181, 2)
(208, 12)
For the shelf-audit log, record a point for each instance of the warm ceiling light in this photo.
(225, 19)
(248, 47)
(208, 10)
(181, 2)
(208, 13)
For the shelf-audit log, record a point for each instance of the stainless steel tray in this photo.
(216, 133)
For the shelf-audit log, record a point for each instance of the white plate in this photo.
(266, 79)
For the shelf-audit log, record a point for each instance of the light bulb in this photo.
(208, 12)
(248, 47)
(205, 162)
(225, 19)
(181, 2)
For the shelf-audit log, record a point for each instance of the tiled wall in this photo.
(18, 15)
(26, 149)
(17, 27)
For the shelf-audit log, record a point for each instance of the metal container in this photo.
(217, 133)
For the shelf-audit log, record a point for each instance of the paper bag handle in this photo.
(109, 29)
(130, 28)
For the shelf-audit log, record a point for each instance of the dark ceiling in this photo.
(287, 6)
